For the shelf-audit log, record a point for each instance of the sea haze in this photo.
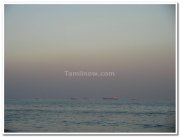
(134, 42)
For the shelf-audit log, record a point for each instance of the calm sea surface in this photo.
(89, 115)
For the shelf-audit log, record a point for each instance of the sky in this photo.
(136, 42)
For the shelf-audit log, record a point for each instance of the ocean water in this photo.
(88, 115)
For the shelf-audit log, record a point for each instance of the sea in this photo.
(89, 115)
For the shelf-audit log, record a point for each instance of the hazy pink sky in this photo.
(137, 42)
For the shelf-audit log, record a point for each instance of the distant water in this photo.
(65, 115)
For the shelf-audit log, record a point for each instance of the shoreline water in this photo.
(89, 116)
